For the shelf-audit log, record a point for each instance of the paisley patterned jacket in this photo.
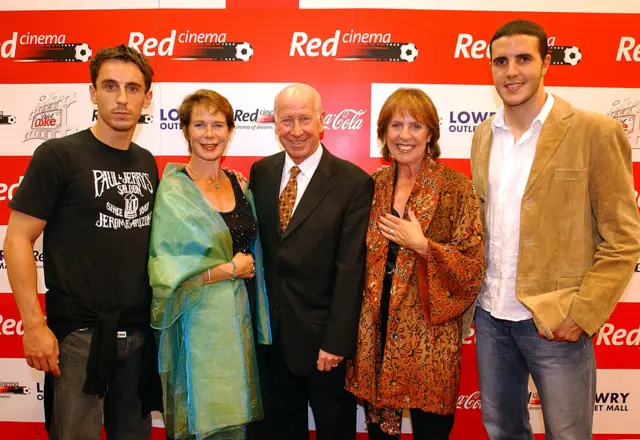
(420, 366)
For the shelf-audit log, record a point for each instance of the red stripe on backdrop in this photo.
(261, 4)
(451, 44)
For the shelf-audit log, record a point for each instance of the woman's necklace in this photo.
(206, 179)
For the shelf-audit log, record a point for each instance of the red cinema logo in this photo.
(302, 45)
(353, 46)
(628, 50)
(609, 335)
(469, 47)
(8, 47)
(10, 327)
(8, 190)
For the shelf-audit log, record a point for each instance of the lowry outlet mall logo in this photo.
(50, 119)
(33, 48)
(192, 46)
(353, 45)
(613, 402)
(466, 121)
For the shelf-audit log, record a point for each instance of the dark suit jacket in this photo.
(314, 271)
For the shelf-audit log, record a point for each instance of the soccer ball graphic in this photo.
(83, 52)
(11, 119)
(572, 55)
(408, 52)
(244, 51)
(148, 119)
(26, 390)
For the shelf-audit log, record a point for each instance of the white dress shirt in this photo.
(509, 166)
(307, 168)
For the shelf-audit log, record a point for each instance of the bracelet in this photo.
(209, 273)
(233, 264)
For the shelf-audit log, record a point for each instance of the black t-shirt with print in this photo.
(97, 202)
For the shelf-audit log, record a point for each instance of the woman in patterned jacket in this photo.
(425, 263)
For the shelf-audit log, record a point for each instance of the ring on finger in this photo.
(391, 231)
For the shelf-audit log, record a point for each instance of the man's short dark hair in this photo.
(523, 27)
(121, 53)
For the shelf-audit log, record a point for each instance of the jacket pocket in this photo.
(565, 282)
(569, 174)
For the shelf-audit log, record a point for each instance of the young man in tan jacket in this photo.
(562, 239)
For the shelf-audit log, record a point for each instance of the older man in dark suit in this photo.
(313, 210)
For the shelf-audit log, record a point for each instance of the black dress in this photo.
(243, 228)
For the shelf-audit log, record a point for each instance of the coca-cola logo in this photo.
(469, 401)
(46, 120)
(347, 119)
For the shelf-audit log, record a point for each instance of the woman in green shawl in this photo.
(209, 301)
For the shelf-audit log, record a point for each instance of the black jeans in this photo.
(77, 415)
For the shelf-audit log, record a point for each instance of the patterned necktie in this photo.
(288, 198)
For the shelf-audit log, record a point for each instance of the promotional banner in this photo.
(356, 53)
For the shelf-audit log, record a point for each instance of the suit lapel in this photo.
(318, 188)
(553, 132)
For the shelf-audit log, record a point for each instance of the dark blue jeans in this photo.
(563, 372)
(79, 416)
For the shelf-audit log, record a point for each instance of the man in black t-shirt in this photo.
(92, 194)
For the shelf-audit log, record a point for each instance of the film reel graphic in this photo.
(58, 53)
(231, 51)
(7, 119)
(145, 119)
(565, 55)
(389, 52)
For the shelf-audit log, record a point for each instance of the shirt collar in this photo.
(308, 166)
(498, 120)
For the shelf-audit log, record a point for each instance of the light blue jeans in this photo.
(563, 372)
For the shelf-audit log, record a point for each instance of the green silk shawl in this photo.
(205, 340)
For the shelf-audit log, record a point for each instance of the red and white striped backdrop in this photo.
(355, 52)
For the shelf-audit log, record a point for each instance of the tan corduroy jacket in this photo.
(579, 224)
